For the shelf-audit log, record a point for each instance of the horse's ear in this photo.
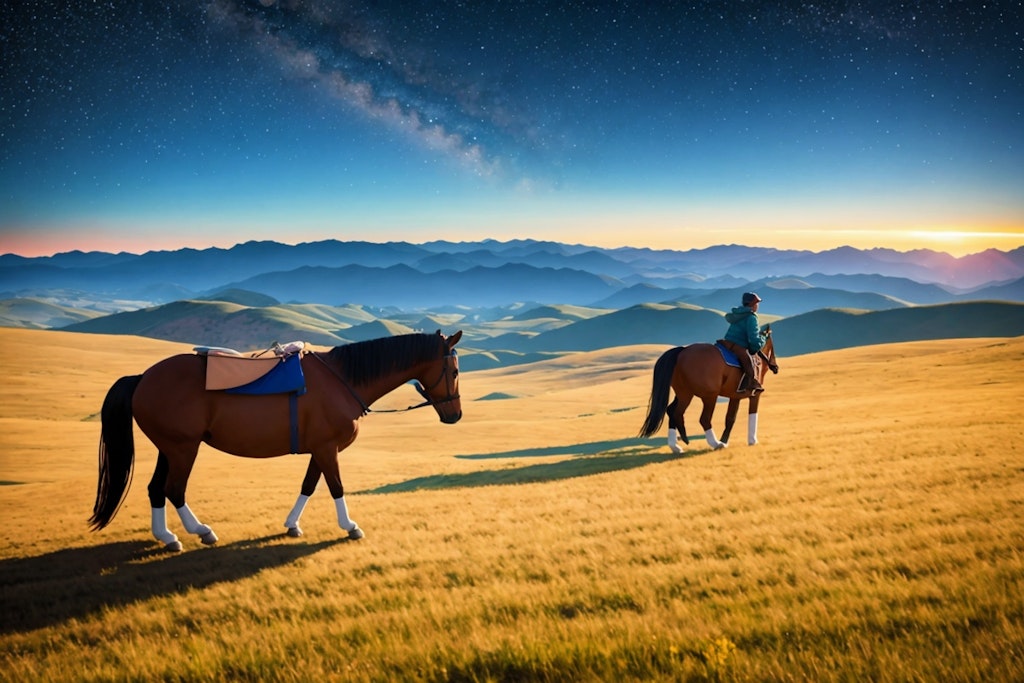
(454, 339)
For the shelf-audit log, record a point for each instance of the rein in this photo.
(419, 388)
(348, 386)
(774, 367)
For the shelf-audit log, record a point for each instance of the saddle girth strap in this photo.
(293, 419)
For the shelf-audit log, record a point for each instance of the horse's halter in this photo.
(449, 373)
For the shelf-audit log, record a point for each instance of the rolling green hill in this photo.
(562, 311)
(37, 314)
(241, 296)
(218, 323)
(522, 338)
(642, 324)
(828, 329)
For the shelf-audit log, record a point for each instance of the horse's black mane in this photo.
(365, 361)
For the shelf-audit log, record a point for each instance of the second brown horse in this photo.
(699, 370)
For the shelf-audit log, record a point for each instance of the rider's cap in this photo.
(750, 298)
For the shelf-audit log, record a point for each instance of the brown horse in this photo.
(173, 408)
(700, 370)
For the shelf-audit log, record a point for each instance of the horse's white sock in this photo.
(343, 519)
(673, 440)
(158, 516)
(752, 429)
(712, 440)
(189, 521)
(293, 517)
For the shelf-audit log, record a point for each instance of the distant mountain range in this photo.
(162, 276)
(516, 301)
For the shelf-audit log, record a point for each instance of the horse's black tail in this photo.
(660, 386)
(117, 451)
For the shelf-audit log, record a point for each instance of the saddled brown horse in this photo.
(173, 408)
(700, 370)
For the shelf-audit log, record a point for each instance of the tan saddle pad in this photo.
(227, 369)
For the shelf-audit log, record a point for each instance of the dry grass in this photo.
(875, 533)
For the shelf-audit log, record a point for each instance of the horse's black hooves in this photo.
(294, 532)
(355, 534)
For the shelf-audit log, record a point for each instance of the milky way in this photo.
(121, 108)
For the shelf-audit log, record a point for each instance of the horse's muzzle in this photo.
(451, 418)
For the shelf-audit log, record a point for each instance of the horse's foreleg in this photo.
(329, 466)
(158, 506)
(705, 422)
(309, 483)
(346, 522)
(177, 478)
(752, 421)
(730, 418)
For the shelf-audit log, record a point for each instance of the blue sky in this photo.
(136, 126)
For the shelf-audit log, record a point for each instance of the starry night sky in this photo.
(138, 125)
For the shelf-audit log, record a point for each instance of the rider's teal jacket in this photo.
(743, 329)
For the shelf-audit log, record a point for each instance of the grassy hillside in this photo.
(241, 297)
(641, 324)
(563, 311)
(222, 323)
(829, 329)
(511, 336)
(36, 314)
(873, 534)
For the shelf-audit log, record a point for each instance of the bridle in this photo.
(449, 372)
(773, 366)
(449, 369)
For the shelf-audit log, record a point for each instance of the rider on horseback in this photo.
(745, 339)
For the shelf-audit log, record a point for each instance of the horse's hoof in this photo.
(209, 538)
(173, 546)
(675, 449)
(294, 532)
(355, 534)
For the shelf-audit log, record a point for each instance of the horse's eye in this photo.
(455, 373)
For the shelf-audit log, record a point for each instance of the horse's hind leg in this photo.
(158, 505)
(178, 471)
(309, 483)
(676, 424)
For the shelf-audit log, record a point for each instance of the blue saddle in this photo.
(285, 378)
(728, 356)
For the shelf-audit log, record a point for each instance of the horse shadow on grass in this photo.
(76, 583)
(597, 457)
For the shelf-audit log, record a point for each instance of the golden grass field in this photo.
(875, 533)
